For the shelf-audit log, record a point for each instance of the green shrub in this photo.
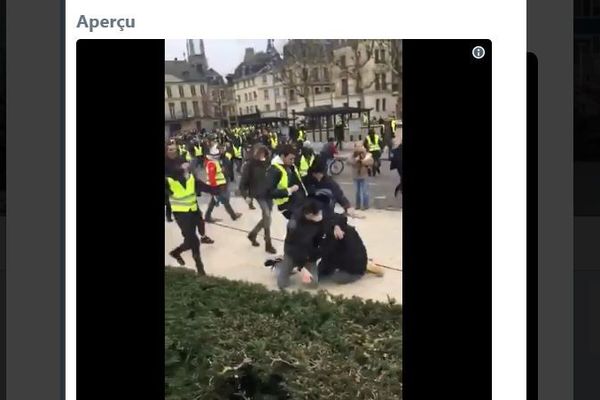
(235, 340)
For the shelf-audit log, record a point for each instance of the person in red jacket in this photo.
(216, 179)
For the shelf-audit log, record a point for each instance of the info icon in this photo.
(478, 52)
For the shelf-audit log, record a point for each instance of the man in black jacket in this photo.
(254, 185)
(344, 260)
(302, 247)
(318, 182)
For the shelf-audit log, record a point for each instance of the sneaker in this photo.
(272, 261)
(177, 257)
(252, 240)
(251, 206)
(206, 240)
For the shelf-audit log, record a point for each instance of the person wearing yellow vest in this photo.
(227, 162)
(217, 181)
(301, 135)
(306, 160)
(373, 145)
(198, 150)
(284, 179)
(273, 140)
(181, 191)
(237, 143)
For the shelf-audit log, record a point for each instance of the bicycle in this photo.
(336, 166)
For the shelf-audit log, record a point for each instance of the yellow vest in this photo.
(228, 155)
(237, 152)
(301, 135)
(183, 199)
(198, 151)
(305, 164)
(219, 172)
(373, 146)
(393, 125)
(282, 184)
(273, 142)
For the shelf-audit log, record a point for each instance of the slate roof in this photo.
(187, 72)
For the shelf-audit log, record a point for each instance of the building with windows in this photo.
(196, 96)
(337, 73)
(256, 85)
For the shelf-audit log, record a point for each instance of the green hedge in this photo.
(234, 340)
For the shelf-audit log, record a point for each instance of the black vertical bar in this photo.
(3, 198)
(120, 219)
(447, 220)
(532, 227)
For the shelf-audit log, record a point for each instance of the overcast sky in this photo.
(223, 55)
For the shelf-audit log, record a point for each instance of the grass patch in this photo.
(235, 340)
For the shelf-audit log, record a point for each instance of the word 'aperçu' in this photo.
(92, 23)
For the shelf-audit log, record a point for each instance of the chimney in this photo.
(249, 53)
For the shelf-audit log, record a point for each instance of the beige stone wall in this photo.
(246, 88)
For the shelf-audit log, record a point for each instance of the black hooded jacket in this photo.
(305, 240)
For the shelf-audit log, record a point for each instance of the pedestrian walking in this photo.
(284, 181)
(253, 184)
(217, 180)
(237, 144)
(306, 158)
(361, 162)
(173, 163)
(182, 189)
(339, 135)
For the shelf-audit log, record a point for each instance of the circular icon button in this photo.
(478, 52)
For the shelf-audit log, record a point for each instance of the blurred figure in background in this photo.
(373, 144)
(217, 180)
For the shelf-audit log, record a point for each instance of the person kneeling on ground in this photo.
(344, 255)
(305, 230)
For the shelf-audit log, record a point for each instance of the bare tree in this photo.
(362, 52)
(299, 57)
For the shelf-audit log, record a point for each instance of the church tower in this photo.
(196, 54)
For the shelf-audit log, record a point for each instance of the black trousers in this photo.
(188, 223)
(238, 165)
(377, 164)
(201, 225)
